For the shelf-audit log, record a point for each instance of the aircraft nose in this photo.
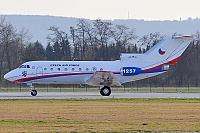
(7, 76)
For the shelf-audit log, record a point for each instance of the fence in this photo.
(86, 88)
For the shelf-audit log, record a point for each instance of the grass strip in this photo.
(100, 115)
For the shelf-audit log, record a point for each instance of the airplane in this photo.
(130, 67)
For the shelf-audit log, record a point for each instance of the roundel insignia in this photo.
(161, 51)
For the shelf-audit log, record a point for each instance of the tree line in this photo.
(99, 40)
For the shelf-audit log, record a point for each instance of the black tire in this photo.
(105, 91)
(33, 92)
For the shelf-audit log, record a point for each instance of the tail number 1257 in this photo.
(130, 71)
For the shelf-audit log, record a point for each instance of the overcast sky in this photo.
(105, 9)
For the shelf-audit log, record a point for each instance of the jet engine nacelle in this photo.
(165, 67)
(130, 71)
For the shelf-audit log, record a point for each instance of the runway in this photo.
(94, 95)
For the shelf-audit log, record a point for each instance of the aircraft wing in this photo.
(105, 78)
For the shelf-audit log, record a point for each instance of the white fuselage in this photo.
(71, 72)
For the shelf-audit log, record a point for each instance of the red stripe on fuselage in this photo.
(54, 75)
(49, 76)
(151, 69)
(172, 62)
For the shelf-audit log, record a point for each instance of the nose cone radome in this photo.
(8, 76)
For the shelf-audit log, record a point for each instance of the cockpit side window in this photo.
(24, 66)
(21, 66)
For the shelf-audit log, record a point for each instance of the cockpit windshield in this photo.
(24, 66)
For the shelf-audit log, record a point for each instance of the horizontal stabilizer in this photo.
(181, 37)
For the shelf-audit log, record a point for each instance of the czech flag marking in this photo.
(161, 51)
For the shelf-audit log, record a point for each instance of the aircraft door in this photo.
(39, 71)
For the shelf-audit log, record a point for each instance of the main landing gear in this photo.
(105, 91)
(33, 92)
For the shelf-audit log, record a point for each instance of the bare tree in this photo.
(150, 40)
(11, 47)
(102, 36)
(196, 43)
(83, 39)
(23, 38)
(60, 37)
(122, 36)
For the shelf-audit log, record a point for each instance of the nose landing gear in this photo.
(33, 92)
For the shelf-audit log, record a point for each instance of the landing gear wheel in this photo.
(105, 91)
(33, 92)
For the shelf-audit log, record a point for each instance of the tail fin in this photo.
(169, 49)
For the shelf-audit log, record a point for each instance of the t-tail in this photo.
(167, 51)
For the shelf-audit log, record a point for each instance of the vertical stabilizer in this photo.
(169, 49)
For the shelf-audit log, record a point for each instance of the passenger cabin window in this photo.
(94, 68)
